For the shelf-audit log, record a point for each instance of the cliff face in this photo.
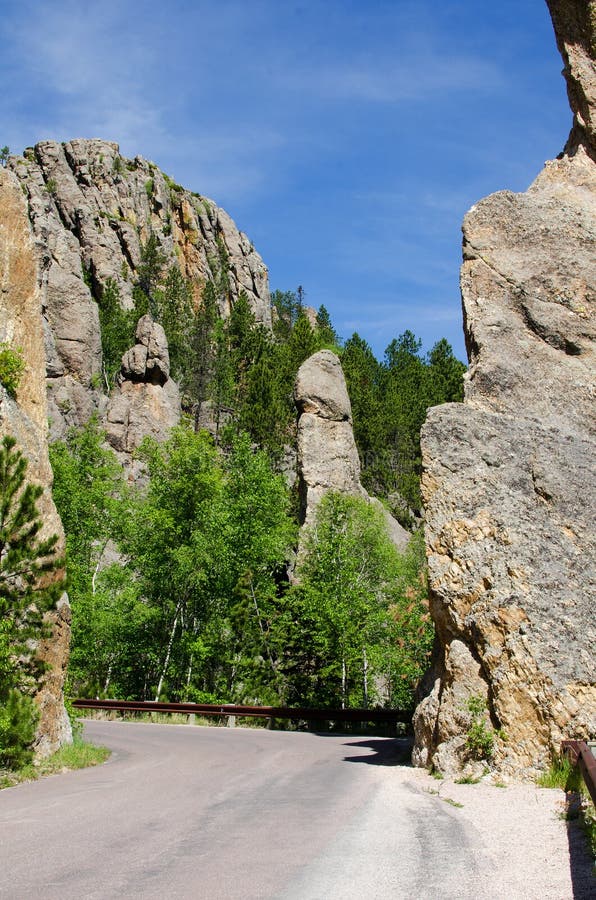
(91, 211)
(26, 420)
(508, 476)
(73, 216)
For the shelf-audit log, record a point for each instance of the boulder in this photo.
(145, 401)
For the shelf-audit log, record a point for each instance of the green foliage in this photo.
(222, 278)
(117, 330)
(18, 721)
(191, 549)
(27, 591)
(88, 492)
(562, 774)
(4, 154)
(197, 604)
(93, 503)
(51, 186)
(389, 404)
(327, 333)
(203, 352)
(149, 275)
(173, 309)
(12, 368)
(480, 737)
(285, 308)
(118, 166)
(166, 620)
(175, 190)
(356, 612)
(78, 755)
(558, 775)
(149, 188)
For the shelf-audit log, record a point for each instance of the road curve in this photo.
(194, 812)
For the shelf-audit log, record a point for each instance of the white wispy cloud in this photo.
(391, 81)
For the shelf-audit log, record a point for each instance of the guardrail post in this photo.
(191, 719)
(581, 755)
(231, 721)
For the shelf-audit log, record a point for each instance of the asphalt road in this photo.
(193, 812)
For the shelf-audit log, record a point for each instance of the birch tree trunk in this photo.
(168, 653)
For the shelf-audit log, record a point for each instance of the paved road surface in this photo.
(192, 812)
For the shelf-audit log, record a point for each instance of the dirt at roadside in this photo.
(537, 853)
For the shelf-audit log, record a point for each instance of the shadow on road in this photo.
(580, 863)
(396, 752)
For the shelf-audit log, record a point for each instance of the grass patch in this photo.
(78, 755)
(155, 718)
(451, 802)
(448, 800)
(467, 779)
(558, 775)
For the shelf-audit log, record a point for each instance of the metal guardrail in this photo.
(268, 712)
(579, 754)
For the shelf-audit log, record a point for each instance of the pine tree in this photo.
(27, 592)
(149, 275)
(174, 311)
(117, 330)
(327, 333)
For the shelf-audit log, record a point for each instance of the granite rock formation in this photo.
(508, 479)
(25, 418)
(72, 217)
(91, 212)
(327, 454)
(145, 401)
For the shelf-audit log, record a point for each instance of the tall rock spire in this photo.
(508, 480)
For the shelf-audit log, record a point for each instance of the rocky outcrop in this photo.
(91, 212)
(327, 454)
(574, 22)
(25, 418)
(145, 401)
(508, 479)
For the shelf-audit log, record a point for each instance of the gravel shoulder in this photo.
(522, 837)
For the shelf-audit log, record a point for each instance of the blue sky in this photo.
(346, 138)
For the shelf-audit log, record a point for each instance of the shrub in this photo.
(480, 737)
(12, 367)
(18, 721)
